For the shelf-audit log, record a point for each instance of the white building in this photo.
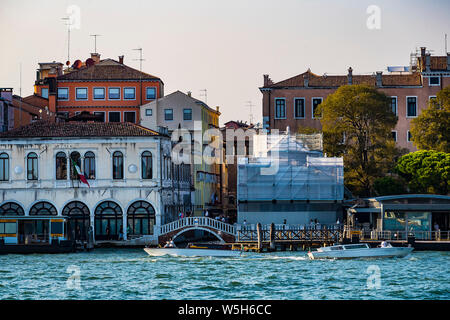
(132, 185)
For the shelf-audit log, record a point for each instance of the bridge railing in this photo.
(200, 222)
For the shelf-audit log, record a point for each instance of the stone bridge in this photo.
(223, 231)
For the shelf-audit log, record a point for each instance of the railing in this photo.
(198, 222)
(403, 235)
(290, 235)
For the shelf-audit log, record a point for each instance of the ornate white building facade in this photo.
(133, 188)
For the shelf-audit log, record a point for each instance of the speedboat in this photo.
(194, 251)
(361, 250)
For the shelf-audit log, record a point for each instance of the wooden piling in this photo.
(260, 235)
(272, 237)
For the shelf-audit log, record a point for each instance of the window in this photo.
(43, 208)
(61, 166)
(75, 158)
(299, 107)
(99, 93)
(129, 93)
(394, 135)
(4, 167)
(108, 221)
(114, 93)
(147, 169)
(117, 165)
(129, 116)
(187, 114)
(315, 103)
(280, 108)
(114, 116)
(79, 220)
(434, 81)
(409, 136)
(148, 112)
(411, 107)
(394, 105)
(81, 93)
(89, 165)
(32, 166)
(44, 93)
(168, 114)
(63, 93)
(11, 209)
(100, 115)
(141, 218)
(432, 98)
(150, 93)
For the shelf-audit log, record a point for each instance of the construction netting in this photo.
(290, 171)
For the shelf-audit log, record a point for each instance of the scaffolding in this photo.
(298, 173)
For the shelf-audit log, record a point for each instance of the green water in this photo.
(132, 274)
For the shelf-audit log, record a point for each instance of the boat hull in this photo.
(391, 252)
(189, 252)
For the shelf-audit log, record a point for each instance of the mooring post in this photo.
(259, 232)
(272, 237)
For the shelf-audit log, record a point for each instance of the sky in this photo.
(222, 46)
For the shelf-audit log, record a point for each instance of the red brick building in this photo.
(292, 102)
(107, 88)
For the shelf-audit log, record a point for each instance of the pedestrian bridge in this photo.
(225, 232)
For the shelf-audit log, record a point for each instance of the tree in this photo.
(388, 185)
(357, 121)
(426, 171)
(431, 129)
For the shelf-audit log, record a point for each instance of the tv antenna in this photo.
(140, 73)
(205, 94)
(69, 25)
(95, 41)
(250, 105)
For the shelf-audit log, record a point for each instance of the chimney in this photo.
(121, 59)
(379, 78)
(189, 93)
(350, 75)
(217, 108)
(423, 50)
(427, 62)
(95, 57)
(267, 81)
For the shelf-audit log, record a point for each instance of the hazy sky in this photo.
(222, 46)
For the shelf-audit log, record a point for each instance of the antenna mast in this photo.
(205, 94)
(250, 105)
(95, 41)
(69, 25)
(140, 74)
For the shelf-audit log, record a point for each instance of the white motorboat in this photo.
(194, 251)
(361, 250)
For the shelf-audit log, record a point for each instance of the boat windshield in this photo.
(336, 248)
(356, 246)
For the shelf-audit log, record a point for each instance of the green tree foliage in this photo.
(431, 129)
(362, 115)
(426, 171)
(387, 186)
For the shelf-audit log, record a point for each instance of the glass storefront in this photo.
(406, 221)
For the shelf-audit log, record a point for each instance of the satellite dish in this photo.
(77, 64)
(90, 62)
(67, 63)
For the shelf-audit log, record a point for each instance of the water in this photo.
(132, 274)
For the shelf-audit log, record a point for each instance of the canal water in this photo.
(132, 274)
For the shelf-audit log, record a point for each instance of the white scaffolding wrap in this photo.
(298, 173)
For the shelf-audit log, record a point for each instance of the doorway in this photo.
(33, 231)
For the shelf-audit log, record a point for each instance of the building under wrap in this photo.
(289, 181)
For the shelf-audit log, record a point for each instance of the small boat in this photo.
(198, 250)
(361, 250)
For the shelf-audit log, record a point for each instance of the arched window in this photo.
(108, 221)
(78, 220)
(11, 209)
(75, 158)
(43, 208)
(4, 167)
(117, 165)
(61, 166)
(32, 166)
(147, 166)
(89, 165)
(140, 218)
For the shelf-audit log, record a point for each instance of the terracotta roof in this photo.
(107, 69)
(48, 129)
(413, 79)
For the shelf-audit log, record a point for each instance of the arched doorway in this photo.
(140, 218)
(108, 221)
(78, 220)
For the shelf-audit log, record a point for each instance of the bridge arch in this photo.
(199, 228)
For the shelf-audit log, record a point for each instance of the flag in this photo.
(80, 175)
